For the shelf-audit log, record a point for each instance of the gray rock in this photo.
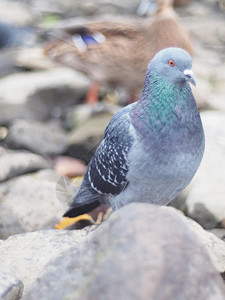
(15, 12)
(14, 163)
(7, 61)
(10, 112)
(206, 30)
(202, 93)
(18, 87)
(29, 203)
(84, 139)
(53, 102)
(219, 232)
(217, 101)
(11, 288)
(34, 58)
(205, 199)
(140, 252)
(214, 245)
(41, 138)
(3, 134)
(209, 92)
(26, 255)
(217, 79)
(43, 94)
(80, 114)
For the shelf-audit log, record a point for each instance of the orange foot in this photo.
(93, 217)
(66, 222)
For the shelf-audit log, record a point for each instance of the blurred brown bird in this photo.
(180, 2)
(117, 51)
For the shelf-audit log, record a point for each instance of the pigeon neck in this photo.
(162, 106)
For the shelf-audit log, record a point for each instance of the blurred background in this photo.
(67, 66)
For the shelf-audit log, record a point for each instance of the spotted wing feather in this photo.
(108, 168)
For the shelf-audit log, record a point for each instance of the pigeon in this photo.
(152, 148)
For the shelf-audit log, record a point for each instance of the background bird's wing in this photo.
(107, 26)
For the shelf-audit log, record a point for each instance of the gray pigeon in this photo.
(152, 148)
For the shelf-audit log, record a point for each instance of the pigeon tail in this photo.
(81, 209)
(85, 200)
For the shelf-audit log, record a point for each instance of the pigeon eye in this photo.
(171, 63)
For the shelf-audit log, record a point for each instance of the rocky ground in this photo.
(48, 136)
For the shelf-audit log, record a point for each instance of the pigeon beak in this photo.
(190, 76)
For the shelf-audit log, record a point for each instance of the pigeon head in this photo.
(166, 98)
(173, 65)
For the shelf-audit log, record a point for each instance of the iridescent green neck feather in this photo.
(163, 106)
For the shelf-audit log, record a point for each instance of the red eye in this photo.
(171, 63)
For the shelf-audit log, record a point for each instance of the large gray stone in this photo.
(14, 163)
(18, 87)
(141, 252)
(11, 288)
(29, 203)
(42, 94)
(41, 138)
(26, 255)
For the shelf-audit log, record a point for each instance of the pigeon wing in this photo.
(109, 166)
